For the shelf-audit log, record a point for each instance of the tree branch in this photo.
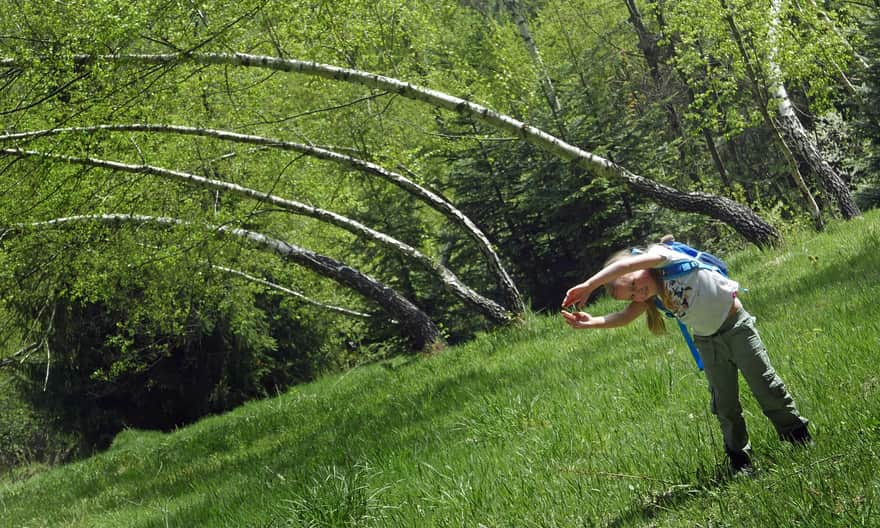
(23, 353)
(753, 229)
(290, 292)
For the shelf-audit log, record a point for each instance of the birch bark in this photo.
(512, 298)
(752, 227)
(490, 309)
(796, 135)
(414, 324)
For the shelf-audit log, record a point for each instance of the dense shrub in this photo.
(29, 438)
(101, 381)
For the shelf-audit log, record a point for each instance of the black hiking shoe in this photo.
(799, 437)
(740, 463)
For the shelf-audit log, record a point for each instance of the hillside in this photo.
(532, 426)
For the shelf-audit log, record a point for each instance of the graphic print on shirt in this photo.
(678, 294)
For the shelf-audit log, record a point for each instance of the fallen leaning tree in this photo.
(488, 308)
(741, 218)
(511, 296)
(420, 331)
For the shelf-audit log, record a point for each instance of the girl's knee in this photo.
(725, 404)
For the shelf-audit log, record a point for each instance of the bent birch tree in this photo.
(512, 298)
(760, 97)
(415, 325)
(741, 218)
(490, 309)
(796, 135)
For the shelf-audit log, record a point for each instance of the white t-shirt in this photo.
(701, 299)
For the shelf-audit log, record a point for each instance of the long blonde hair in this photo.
(656, 321)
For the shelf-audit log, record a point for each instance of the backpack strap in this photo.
(690, 344)
(678, 268)
(684, 332)
(674, 270)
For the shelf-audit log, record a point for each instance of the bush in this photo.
(29, 441)
(104, 376)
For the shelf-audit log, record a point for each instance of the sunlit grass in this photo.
(530, 426)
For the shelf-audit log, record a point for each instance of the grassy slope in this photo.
(534, 426)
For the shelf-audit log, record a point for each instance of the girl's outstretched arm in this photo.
(580, 293)
(582, 320)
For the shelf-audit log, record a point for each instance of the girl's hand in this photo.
(577, 296)
(579, 320)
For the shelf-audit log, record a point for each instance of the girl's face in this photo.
(637, 286)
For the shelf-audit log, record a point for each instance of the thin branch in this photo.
(46, 97)
(47, 347)
(318, 110)
(48, 364)
(21, 355)
(293, 293)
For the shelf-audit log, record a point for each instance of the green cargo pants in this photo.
(737, 347)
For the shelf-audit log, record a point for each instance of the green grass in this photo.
(527, 427)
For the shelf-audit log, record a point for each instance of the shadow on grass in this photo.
(339, 429)
(675, 495)
(854, 269)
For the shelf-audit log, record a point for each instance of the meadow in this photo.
(531, 426)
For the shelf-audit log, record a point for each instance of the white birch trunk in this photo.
(415, 325)
(512, 298)
(797, 137)
(752, 227)
(487, 307)
(741, 218)
(525, 33)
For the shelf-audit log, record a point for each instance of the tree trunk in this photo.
(717, 208)
(716, 158)
(546, 83)
(652, 53)
(655, 54)
(797, 137)
(512, 298)
(415, 325)
(734, 214)
(761, 102)
(807, 150)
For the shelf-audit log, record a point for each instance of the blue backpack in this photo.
(692, 259)
(695, 259)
